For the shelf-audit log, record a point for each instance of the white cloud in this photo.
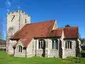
(8, 4)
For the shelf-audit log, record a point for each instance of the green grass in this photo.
(6, 59)
(83, 51)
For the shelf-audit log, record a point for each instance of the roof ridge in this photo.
(58, 28)
(72, 27)
(42, 22)
(66, 27)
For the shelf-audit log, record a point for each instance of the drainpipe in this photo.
(14, 50)
(79, 42)
(58, 47)
(35, 47)
(25, 48)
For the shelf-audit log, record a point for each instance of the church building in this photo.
(44, 39)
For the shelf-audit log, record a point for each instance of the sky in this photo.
(65, 12)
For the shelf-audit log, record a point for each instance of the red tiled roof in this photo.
(56, 32)
(29, 31)
(26, 41)
(71, 32)
(44, 29)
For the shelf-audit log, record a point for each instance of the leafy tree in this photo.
(82, 40)
(67, 25)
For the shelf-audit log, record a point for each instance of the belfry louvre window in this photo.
(25, 20)
(55, 44)
(68, 45)
(20, 48)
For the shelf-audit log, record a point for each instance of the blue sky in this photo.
(70, 12)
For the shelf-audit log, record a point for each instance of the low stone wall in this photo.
(40, 51)
(53, 53)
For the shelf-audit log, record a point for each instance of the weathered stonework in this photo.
(15, 21)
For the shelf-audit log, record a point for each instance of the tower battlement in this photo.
(17, 11)
(15, 21)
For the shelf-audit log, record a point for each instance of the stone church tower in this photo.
(15, 21)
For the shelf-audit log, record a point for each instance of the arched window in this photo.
(54, 44)
(68, 44)
(42, 43)
(20, 48)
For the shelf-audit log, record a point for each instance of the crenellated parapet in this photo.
(15, 21)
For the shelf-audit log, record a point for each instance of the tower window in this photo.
(25, 20)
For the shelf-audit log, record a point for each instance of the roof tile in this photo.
(29, 31)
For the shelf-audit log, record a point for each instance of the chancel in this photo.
(44, 39)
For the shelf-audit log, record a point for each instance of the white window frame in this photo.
(68, 44)
(55, 44)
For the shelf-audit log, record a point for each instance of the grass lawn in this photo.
(6, 59)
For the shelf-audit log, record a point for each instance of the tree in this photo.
(67, 25)
(82, 40)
